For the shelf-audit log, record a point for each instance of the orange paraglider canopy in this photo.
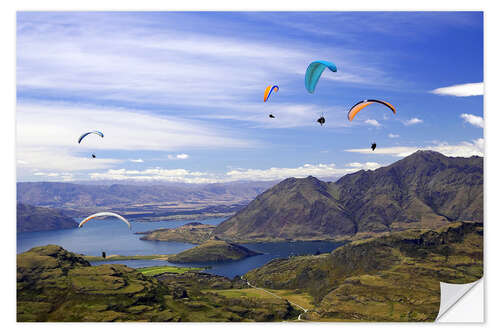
(361, 105)
(269, 90)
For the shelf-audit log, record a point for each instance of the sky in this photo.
(179, 95)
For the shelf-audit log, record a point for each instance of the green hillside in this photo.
(56, 285)
(388, 278)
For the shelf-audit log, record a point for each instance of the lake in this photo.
(113, 237)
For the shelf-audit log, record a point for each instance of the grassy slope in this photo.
(302, 299)
(157, 270)
(213, 251)
(114, 257)
(390, 278)
(56, 285)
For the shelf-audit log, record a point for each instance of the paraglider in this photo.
(314, 71)
(91, 132)
(321, 120)
(374, 145)
(361, 105)
(271, 116)
(269, 90)
(104, 214)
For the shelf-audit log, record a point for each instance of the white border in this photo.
(492, 110)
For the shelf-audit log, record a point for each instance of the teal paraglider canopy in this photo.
(314, 71)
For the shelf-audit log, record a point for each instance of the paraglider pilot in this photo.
(321, 120)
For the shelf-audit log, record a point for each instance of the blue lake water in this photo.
(113, 237)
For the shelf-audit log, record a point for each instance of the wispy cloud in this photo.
(171, 175)
(316, 170)
(178, 156)
(139, 160)
(59, 159)
(64, 176)
(412, 121)
(372, 122)
(47, 134)
(366, 165)
(463, 149)
(287, 115)
(473, 120)
(393, 136)
(461, 90)
(273, 173)
(161, 66)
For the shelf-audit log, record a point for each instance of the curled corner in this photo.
(452, 294)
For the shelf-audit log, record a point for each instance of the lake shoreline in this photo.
(124, 247)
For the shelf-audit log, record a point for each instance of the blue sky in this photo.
(179, 95)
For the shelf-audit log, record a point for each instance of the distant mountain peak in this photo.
(425, 189)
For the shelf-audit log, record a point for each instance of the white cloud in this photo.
(171, 175)
(393, 136)
(473, 120)
(144, 64)
(461, 90)
(317, 170)
(365, 166)
(372, 122)
(197, 177)
(412, 121)
(178, 156)
(59, 159)
(56, 125)
(139, 160)
(287, 115)
(463, 149)
(47, 134)
(64, 176)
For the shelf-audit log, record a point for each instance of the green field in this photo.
(156, 270)
(113, 257)
(302, 299)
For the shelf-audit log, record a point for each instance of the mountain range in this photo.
(77, 196)
(424, 190)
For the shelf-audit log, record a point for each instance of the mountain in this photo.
(293, 209)
(213, 251)
(56, 285)
(425, 189)
(31, 218)
(387, 278)
(84, 196)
